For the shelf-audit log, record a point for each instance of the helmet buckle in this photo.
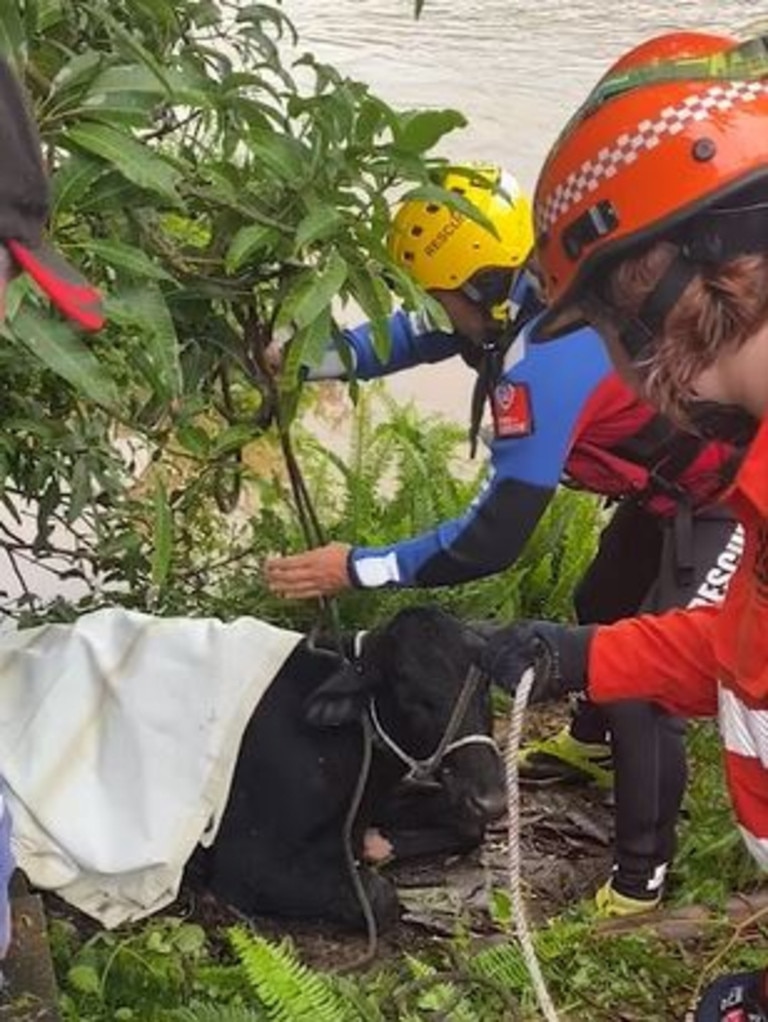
(595, 223)
(705, 247)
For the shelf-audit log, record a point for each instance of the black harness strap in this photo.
(649, 444)
(682, 531)
(666, 452)
(490, 365)
(489, 373)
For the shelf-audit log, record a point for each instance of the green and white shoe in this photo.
(611, 904)
(563, 759)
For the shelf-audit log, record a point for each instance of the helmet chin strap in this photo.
(497, 341)
(714, 237)
(490, 369)
(639, 333)
(489, 372)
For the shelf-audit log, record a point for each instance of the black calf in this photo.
(279, 848)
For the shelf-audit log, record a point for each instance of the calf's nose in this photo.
(490, 804)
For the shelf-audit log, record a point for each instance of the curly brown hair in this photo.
(722, 307)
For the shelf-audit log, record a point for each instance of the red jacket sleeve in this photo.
(666, 659)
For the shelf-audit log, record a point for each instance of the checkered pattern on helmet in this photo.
(647, 135)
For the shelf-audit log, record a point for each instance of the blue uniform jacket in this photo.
(524, 471)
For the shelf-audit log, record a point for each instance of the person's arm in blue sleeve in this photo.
(523, 476)
(413, 341)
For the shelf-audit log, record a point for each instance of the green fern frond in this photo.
(289, 991)
(366, 1001)
(502, 964)
(198, 1012)
(440, 996)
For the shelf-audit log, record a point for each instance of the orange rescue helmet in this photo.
(678, 125)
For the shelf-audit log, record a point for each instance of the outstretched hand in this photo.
(319, 572)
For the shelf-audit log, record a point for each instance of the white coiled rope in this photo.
(515, 884)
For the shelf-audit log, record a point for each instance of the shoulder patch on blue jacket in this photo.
(561, 376)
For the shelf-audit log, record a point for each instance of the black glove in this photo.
(557, 652)
(737, 997)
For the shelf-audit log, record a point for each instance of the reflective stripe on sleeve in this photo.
(375, 571)
(745, 731)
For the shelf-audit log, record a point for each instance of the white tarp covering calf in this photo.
(119, 736)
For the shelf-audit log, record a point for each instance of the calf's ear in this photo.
(483, 629)
(476, 642)
(342, 699)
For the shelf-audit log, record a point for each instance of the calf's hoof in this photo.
(382, 896)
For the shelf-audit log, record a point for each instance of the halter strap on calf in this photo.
(422, 771)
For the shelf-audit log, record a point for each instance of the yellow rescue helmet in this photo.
(444, 249)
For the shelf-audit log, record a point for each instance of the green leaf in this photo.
(436, 312)
(375, 299)
(31, 11)
(193, 439)
(71, 81)
(49, 14)
(73, 180)
(109, 192)
(189, 939)
(148, 310)
(162, 11)
(125, 257)
(312, 292)
(422, 129)
(13, 39)
(79, 489)
(405, 286)
(136, 162)
(59, 348)
(266, 12)
(319, 223)
(500, 907)
(233, 438)
(162, 535)
(286, 158)
(135, 87)
(307, 348)
(247, 242)
(19, 290)
(373, 116)
(445, 197)
(130, 41)
(85, 979)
